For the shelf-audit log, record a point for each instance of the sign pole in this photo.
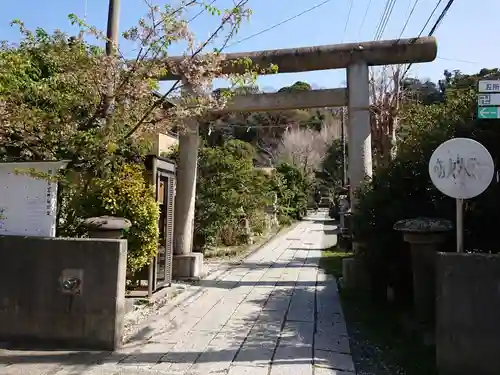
(461, 168)
(460, 225)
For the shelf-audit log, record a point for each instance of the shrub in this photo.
(228, 188)
(293, 189)
(404, 189)
(257, 219)
(126, 194)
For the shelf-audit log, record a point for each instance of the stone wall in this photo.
(468, 314)
(35, 310)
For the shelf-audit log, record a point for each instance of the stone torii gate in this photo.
(354, 57)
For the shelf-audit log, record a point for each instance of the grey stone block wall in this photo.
(35, 311)
(468, 314)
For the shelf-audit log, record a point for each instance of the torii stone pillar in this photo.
(186, 264)
(359, 130)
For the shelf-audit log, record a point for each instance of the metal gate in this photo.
(160, 270)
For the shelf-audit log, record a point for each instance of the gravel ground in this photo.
(380, 343)
(368, 357)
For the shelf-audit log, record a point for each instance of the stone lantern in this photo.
(106, 226)
(424, 236)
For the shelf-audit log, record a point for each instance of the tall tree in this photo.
(306, 148)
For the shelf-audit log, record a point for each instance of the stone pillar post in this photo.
(424, 236)
(359, 130)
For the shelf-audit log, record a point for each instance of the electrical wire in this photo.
(201, 11)
(387, 19)
(430, 17)
(457, 60)
(347, 20)
(441, 16)
(384, 20)
(364, 18)
(408, 19)
(436, 25)
(381, 19)
(280, 23)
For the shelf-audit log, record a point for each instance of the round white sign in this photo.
(461, 168)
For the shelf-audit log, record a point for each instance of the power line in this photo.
(381, 19)
(364, 18)
(441, 16)
(457, 60)
(384, 20)
(280, 23)
(430, 17)
(201, 11)
(436, 24)
(409, 17)
(347, 20)
(387, 19)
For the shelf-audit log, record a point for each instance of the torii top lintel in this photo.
(334, 56)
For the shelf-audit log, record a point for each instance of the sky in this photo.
(466, 37)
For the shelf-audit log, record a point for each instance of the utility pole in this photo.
(112, 31)
(111, 45)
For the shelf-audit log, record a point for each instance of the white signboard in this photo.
(461, 168)
(488, 99)
(489, 86)
(28, 206)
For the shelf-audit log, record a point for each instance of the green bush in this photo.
(293, 190)
(228, 189)
(284, 220)
(125, 193)
(257, 220)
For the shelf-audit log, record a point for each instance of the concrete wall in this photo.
(33, 308)
(163, 142)
(468, 314)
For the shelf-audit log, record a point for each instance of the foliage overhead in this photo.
(55, 89)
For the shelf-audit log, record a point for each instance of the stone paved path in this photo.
(276, 313)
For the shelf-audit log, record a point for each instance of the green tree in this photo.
(54, 104)
(229, 188)
(293, 188)
(297, 86)
(331, 175)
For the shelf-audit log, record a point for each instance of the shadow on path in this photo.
(295, 320)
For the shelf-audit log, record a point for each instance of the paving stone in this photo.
(292, 369)
(338, 361)
(148, 354)
(293, 354)
(297, 334)
(302, 305)
(248, 370)
(330, 371)
(334, 343)
(330, 328)
(219, 354)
